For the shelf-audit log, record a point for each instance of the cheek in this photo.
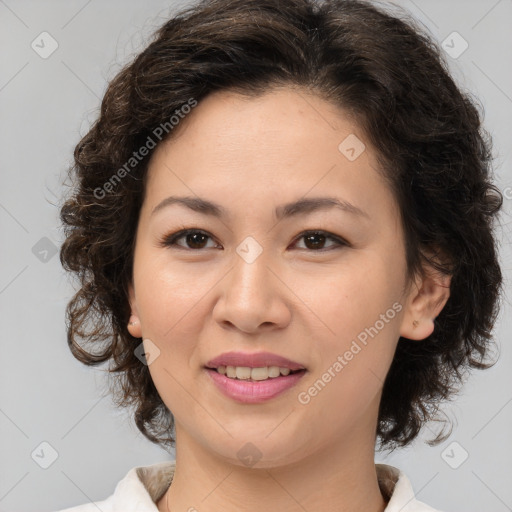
(349, 298)
(359, 309)
(351, 370)
(169, 307)
(170, 312)
(168, 296)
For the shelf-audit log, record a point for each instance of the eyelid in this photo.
(170, 239)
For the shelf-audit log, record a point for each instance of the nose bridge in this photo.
(251, 295)
(250, 275)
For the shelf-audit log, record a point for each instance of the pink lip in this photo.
(253, 392)
(256, 360)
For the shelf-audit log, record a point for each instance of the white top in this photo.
(143, 486)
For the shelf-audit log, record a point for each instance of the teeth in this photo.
(246, 373)
(243, 372)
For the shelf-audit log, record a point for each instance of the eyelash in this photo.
(170, 240)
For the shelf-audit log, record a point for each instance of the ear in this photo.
(426, 298)
(134, 327)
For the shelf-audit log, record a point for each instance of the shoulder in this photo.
(138, 491)
(395, 485)
(104, 506)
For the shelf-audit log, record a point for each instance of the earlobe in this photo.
(425, 302)
(134, 327)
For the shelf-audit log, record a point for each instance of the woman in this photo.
(283, 227)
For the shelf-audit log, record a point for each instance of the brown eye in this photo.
(315, 240)
(194, 239)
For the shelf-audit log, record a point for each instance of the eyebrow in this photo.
(300, 207)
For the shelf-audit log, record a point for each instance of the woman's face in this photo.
(251, 281)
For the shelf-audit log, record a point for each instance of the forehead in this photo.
(280, 119)
(286, 143)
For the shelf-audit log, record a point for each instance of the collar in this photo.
(143, 486)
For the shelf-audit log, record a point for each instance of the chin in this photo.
(259, 450)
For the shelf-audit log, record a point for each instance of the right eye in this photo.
(195, 239)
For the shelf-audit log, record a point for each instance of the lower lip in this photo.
(254, 392)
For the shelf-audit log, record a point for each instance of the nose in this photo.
(252, 297)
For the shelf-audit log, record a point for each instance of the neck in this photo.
(338, 478)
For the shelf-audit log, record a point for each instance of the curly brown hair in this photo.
(391, 77)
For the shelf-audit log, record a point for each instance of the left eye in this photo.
(196, 239)
(316, 238)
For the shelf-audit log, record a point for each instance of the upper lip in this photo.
(254, 360)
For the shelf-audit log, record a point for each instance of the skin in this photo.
(306, 304)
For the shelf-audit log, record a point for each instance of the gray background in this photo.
(47, 104)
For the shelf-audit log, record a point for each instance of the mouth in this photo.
(253, 378)
(255, 374)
